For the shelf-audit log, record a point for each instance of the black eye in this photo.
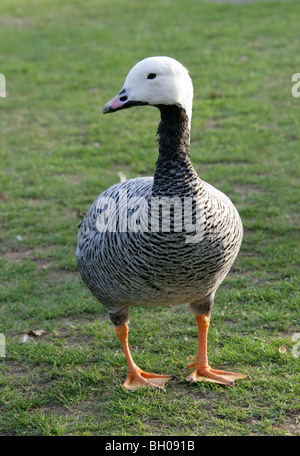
(151, 76)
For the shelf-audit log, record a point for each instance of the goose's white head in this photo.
(155, 81)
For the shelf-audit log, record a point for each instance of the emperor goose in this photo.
(159, 241)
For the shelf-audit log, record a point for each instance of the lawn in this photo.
(64, 60)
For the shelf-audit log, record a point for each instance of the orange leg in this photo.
(202, 371)
(135, 376)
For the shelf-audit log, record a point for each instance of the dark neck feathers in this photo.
(174, 174)
(173, 132)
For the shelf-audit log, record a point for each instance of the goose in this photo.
(165, 240)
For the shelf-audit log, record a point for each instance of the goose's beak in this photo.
(116, 103)
(121, 101)
(113, 105)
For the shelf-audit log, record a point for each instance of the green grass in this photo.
(62, 62)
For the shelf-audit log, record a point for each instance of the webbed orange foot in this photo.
(139, 378)
(202, 371)
(207, 374)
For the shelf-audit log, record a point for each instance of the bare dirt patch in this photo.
(42, 262)
(247, 189)
(291, 425)
(22, 253)
(16, 254)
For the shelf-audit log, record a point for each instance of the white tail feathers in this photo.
(122, 176)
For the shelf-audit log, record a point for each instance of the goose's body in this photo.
(130, 252)
(157, 268)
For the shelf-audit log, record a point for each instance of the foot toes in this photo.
(209, 375)
(139, 379)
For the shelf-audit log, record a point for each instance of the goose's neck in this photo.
(174, 169)
(173, 133)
